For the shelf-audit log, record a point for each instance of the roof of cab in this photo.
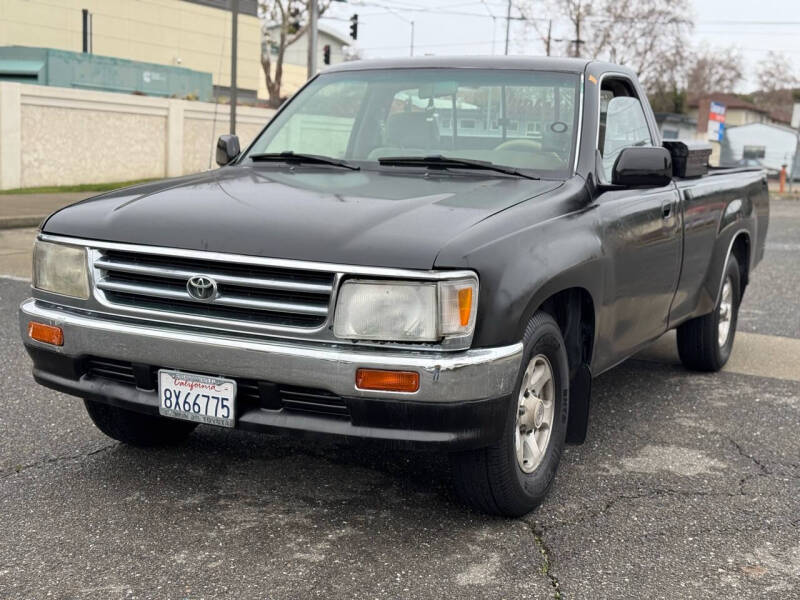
(532, 63)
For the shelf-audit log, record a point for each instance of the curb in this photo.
(21, 221)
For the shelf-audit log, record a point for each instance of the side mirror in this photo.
(227, 149)
(642, 166)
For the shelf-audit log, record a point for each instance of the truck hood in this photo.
(362, 217)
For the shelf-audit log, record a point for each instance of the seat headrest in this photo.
(412, 130)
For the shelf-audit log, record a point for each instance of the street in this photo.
(687, 487)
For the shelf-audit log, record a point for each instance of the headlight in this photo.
(404, 311)
(60, 269)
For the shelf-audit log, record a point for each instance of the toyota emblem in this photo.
(202, 288)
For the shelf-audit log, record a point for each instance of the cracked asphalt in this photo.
(687, 487)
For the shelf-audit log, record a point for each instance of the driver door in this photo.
(642, 233)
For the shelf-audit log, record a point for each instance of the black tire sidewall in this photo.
(543, 336)
(732, 271)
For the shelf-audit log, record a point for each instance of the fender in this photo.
(580, 354)
(736, 220)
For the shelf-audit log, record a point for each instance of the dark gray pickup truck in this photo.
(440, 252)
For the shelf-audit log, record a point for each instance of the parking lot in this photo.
(687, 487)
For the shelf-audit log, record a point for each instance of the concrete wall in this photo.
(168, 32)
(61, 136)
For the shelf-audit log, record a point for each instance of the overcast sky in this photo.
(451, 27)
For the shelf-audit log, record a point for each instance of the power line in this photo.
(435, 10)
(434, 45)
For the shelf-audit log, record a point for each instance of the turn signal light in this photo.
(49, 334)
(464, 305)
(387, 381)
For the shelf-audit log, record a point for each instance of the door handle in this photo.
(666, 209)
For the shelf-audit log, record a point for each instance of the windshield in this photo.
(520, 119)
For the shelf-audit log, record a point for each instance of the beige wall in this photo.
(201, 129)
(159, 31)
(61, 136)
(737, 116)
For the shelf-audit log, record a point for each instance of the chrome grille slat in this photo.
(222, 300)
(252, 282)
(249, 297)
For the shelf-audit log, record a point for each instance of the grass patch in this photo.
(85, 187)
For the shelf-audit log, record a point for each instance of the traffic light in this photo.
(354, 27)
(326, 54)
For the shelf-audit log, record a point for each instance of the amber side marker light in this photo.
(387, 381)
(464, 305)
(49, 334)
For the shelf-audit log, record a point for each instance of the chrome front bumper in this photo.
(444, 377)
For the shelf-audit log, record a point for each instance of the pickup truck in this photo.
(437, 252)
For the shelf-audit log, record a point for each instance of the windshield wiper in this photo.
(298, 158)
(444, 162)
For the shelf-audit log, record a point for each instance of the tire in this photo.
(137, 429)
(700, 341)
(495, 480)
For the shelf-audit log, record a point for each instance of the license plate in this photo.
(199, 398)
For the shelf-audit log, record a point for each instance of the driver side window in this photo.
(622, 124)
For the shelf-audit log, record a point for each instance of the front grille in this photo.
(312, 401)
(249, 295)
(107, 368)
(249, 392)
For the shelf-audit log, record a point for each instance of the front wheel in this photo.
(705, 343)
(513, 476)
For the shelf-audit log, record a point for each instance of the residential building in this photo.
(675, 126)
(767, 144)
(195, 34)
(737, 111)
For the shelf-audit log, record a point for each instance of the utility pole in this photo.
(396, 14)
(549, 35)
(313, 16)
(494, 24)
(508, 25)
(87, 31)
(577, 41)
(234, 44)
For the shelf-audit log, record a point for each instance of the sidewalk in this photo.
(29, 210)
(774, 194)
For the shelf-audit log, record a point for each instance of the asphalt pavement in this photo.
(687, 487)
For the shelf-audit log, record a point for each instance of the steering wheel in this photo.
(519, 145)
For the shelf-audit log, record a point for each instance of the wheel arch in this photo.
(574, 309)
(738, 246)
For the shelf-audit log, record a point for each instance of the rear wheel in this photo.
(705, 343)
(513, 476)
(136, 428)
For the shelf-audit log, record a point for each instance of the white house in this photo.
(772, 145)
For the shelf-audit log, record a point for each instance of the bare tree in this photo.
(283, 23)
(573, 12)
(776, 79)
(649, 36)
(714, 70)
(776, 72)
